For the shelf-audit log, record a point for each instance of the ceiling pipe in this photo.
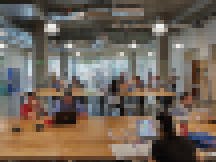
(196, 8)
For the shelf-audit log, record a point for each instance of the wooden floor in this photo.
(89, 139)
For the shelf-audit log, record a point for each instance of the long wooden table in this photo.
(88, 139)
(85, 92)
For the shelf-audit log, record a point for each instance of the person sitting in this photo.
(79, 102)
(55, 83)
(139, 82)
(30, 110)
(67, 113)
(76, 83)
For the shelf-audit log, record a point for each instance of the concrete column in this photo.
(164, 64)
(38, 54)
(188, 57)
(40, 48)
(132, 63)
(74, 66)
(211, 73)
(63, 66)
(162, 59)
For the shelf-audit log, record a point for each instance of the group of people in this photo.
(31, 107)
(110, 102)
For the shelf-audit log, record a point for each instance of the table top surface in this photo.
(85, 92)
(88, 139)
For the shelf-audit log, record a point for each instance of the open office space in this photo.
(107, 80)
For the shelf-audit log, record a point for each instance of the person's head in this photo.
(134, 77)
(122, 77)
(67, 96)
(32, 98)
(54, 78)
(186, 99)
(74, 80)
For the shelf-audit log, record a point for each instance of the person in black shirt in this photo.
(171, 148)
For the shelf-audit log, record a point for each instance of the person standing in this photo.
(171, 147)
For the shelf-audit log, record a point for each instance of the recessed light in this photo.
(2, 45)
(121, 53)
(51, 28)
(159, 28)
(178, 45)
(77, 53)
(150, 53)
(133, 45)
(82, 14)
(68, 45)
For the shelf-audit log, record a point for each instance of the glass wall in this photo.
(97, 73)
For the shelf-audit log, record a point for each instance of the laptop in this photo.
(65, 118)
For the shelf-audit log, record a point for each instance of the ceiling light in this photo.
(82, 14)
(133, 45)
(2, 45)
(3, 33)
(178, 45)
(121, 53)
(150, 53)
(68, 45)
(159, 28)
(77, 53)
(51, 28)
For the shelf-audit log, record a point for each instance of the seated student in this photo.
(139, 82)
(182, 112)
(55, 82)
(81, 107)
(31, 109)
(114, 100)
(66, 113)
(76, 83)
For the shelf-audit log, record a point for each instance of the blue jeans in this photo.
(202, 139)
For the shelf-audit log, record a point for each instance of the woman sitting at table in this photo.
(31, 109)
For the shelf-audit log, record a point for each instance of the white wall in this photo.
(199, 39)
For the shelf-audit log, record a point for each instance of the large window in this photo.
(145, 64)
(54, 65)
(99, 72)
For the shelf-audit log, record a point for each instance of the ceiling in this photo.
(98, 17)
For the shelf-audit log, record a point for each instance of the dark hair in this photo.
(69, 93)
(31, 94)
(185, 94)
(137, 77)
